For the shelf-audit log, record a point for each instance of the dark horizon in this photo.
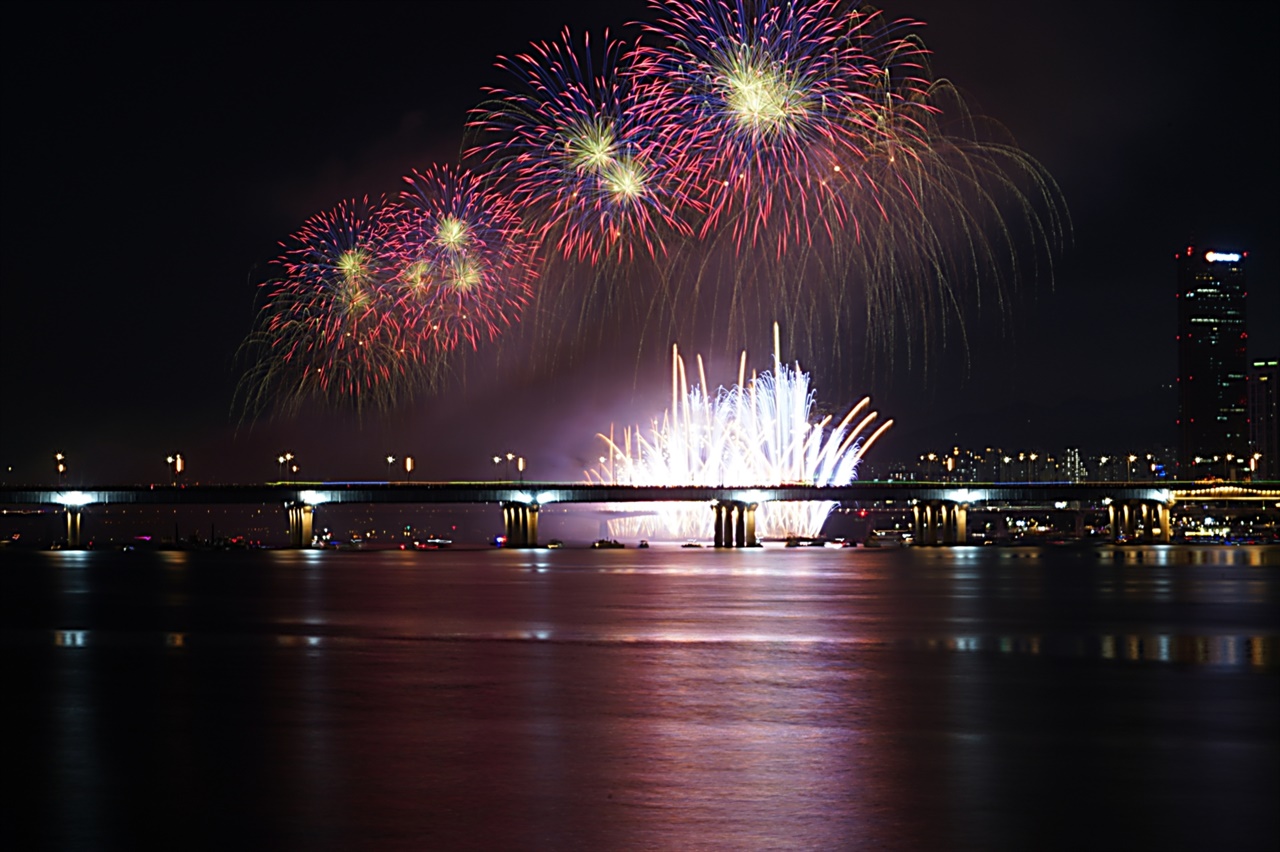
(157, 165)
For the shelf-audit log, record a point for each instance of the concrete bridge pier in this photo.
(1151, 515)
(301, 524)
(956, 528)
(520, 521)
(1116, 520)
(1163, 522)
(735, 524)
(74, 515)
(937, 522)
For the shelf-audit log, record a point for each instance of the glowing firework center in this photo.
(761, 432)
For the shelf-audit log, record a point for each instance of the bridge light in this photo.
(74, 498)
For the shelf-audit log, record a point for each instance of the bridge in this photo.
(939, 509)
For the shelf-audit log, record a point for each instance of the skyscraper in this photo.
(1264, 425)
(1212, 421)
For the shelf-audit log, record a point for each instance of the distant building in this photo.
(1264, 425)
(1213, 435)
(1072, 466)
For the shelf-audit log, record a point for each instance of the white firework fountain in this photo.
(761, 432)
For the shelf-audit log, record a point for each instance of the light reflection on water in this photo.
(1259, 652)
(810, 698)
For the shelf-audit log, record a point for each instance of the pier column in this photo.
(718, 508)
(301, 524)
(950, 523)
(932, 522)
(1163, 520)
(74, 514)
(520, 524)
(740, 525)
(751, 525)
(510, 525)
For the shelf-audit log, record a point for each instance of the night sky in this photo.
(156, 154)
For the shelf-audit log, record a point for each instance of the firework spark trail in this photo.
(758, 433)
(818, 127)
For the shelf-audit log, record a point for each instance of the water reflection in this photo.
(71, 638)
(1258, 652)
(822, 699)
(1261, 652)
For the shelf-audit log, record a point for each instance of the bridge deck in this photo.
(317, 493)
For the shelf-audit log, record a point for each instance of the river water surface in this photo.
(670, 698)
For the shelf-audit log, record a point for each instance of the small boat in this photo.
(888, 538)
(691, 544)
(644, 544)
(608, 544)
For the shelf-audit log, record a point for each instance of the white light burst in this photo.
(761, 432)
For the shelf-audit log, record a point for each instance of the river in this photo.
(669, 698)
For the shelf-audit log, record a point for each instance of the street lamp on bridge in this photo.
(61, 461)
(283, 459)
(408, 468)
(390, 461)
(176, 466)
(509, 457)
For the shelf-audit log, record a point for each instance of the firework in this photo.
(576, 152)
(817, 126)
(463, 267)
(742, 160)
(760, 432)
(757, 98)
(329, 329)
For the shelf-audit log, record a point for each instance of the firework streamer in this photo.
(836, 172)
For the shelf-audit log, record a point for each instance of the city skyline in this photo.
(159, 185)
